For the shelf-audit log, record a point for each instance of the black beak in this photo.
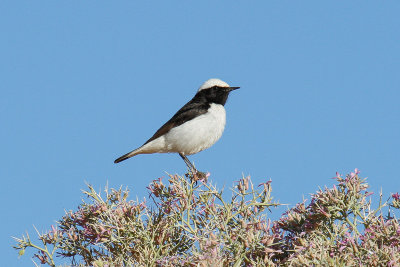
(232, 88)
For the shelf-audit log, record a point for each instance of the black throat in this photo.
(215, 94)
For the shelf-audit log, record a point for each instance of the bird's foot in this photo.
(196, 175)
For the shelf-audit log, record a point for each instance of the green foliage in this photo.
(190, 223)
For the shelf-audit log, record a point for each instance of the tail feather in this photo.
(126, 156)
(155, 146)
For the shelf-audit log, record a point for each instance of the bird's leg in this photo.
(197, 175)
(188, 163)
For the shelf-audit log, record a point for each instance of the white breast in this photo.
(197, 134)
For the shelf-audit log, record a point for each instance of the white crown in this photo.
(212, 82)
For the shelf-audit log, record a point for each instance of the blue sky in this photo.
(83, 82)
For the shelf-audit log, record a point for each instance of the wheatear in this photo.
(195, 127)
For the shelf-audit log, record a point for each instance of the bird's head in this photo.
(216, 90)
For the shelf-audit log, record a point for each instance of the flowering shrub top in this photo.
(190, 223)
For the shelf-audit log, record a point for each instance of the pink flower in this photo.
(356, 172)
(396, 196)
(367, 194)
(338, 176)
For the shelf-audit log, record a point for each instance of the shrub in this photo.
(189, 222)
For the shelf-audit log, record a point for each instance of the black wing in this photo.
(195, 107)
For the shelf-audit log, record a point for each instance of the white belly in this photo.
(197, 134)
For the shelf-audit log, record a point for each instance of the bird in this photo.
(194, 128)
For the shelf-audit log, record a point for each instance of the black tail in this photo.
(124, 157)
